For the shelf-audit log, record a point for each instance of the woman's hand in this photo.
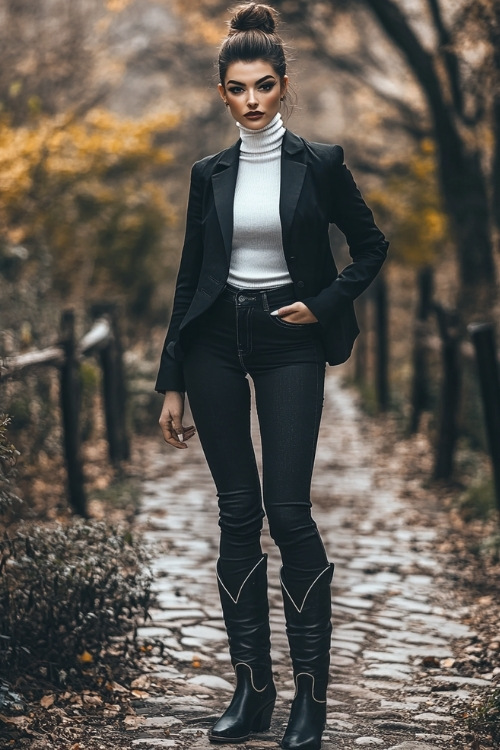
(171, 420)
(296, 313)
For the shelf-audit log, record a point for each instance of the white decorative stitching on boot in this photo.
(251, 677)
(242, 585)
(299, 609)
(314, 682)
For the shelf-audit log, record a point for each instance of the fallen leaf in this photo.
(111, 708)
(92, 700)
(47, 701)
(85, 658)
(143, 682)
(18, 721)
(140, 693)
(116, 687)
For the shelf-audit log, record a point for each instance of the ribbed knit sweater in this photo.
(257, 257)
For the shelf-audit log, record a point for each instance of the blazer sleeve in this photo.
(367, 245)
(170, 375)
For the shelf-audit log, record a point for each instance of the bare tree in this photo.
(460, 108)
(46, 62)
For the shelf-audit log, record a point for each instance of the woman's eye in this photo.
(267, 86)
(236, 90)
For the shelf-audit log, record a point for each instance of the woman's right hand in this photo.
(170, 420)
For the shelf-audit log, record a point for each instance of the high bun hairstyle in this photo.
(252, 36)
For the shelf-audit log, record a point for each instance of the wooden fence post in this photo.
(114, 388)
(420, 387)
(70, 405)
(382, 343)
(449, 328)
(483, 338)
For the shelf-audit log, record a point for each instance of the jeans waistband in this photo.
(259, 297)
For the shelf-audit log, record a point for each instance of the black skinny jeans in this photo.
(235, 338)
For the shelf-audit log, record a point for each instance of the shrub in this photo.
(8, 456)
(486, 717)
(66, 593)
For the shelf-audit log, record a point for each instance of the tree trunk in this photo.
(462, 179)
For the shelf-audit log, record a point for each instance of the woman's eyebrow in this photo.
(261, 80)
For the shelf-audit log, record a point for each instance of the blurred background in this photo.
(105, 105)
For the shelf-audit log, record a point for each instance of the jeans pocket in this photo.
(284, 323)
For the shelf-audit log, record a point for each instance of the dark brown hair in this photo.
(252, 36)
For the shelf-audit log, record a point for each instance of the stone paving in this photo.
(393, 684)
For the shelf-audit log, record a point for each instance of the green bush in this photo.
(478, 500)
(66, 593)
(486, 718)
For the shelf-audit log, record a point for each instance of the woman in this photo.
(258, 294)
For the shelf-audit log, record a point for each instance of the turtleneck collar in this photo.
(263, 140)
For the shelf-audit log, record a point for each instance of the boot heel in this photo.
(262, 721)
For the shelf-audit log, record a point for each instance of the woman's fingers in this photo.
(297, 313)
(171, 420)
(181, 434)
(175, 434)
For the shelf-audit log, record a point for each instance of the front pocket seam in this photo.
(279, 321)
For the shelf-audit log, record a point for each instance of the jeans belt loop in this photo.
(265, 301)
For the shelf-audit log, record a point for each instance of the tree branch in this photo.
(396, 26)
(449, 57)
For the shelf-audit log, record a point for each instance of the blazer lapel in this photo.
(293, 171)
(224, 183)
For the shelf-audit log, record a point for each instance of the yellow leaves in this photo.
(66, 150)
(409, 207)
(85, 658)
(15, 88)
(87, 189)
(203, 27)
(116, 6)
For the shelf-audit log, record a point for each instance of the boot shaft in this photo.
(246, 616)
(309, 628)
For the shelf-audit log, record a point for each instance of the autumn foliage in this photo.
(85, 193)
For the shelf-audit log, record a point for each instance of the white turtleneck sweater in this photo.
(257, 257)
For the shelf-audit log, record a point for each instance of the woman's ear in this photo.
(284, 86)
(222, 92)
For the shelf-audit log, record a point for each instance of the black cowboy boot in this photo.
(247, 622)
(308, 627)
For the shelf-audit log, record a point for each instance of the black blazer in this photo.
(317, 189)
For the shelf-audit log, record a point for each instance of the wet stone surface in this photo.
(392, 682)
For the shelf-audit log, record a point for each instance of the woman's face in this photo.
(253, 92)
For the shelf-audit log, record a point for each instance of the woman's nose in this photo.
(252, 98)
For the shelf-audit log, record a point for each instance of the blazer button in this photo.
(300, 284)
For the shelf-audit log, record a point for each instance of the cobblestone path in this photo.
(393, 684)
